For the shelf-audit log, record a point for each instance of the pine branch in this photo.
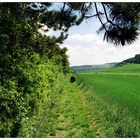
(108, 18)
(98, 15)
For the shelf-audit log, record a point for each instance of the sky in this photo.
(86, 47)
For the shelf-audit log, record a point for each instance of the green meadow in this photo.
(118, 92)
(99, 104)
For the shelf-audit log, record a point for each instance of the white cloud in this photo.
(85, 38)
(90, 49)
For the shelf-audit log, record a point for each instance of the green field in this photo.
(99, 104)
(118, 98)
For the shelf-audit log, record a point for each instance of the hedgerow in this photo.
(32, 84)
(30, 66)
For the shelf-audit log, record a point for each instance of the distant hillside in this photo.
(127, 69)
(133, 60)
(93, 67)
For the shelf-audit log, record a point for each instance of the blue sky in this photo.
(86, 47)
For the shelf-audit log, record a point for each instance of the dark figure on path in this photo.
(72, 79)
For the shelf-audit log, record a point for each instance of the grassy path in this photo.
(71, 117)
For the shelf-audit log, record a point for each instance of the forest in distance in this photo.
(41, 96)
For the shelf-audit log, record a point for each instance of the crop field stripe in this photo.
(122, 89)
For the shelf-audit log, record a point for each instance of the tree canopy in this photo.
(119, 21)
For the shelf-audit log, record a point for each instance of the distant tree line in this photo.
(133, 60)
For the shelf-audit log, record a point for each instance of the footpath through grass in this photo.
(72, 116)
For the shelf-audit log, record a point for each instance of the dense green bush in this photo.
(30, 66)
(32, 84)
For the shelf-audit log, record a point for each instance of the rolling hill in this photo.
(93, 67)
(134, 60)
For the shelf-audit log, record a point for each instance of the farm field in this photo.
(118, 98)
